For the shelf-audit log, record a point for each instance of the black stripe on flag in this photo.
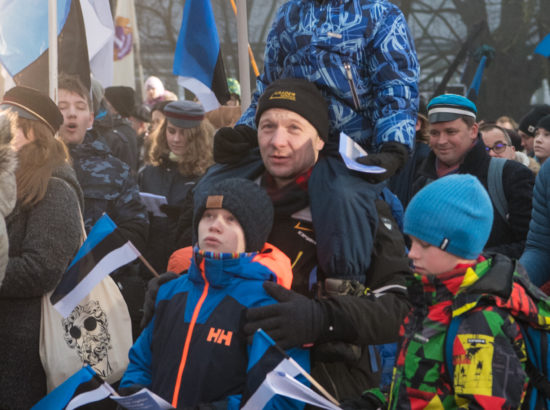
(219, 81)
(257, 374)
(84, 265)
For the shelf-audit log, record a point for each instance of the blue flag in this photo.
(543, 48)
(473, 91)
(24, 41)
(105, 250)
(83, 387)
(197, 60)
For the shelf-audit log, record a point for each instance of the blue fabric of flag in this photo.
(473, 91)
(102, 228)
(24, 31)
(198, 44)
(543, 48)
(63, 393)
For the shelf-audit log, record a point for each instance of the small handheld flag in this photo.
(104, 250)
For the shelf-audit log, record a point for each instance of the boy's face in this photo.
(430, 260)
(77, 117)
(219, 231)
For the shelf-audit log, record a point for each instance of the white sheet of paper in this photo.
(350, 151)
(153, 203)
(287, 386)
(142, 400)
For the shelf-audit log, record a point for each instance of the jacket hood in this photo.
(8, 189)
(504, 283)
(66, 173)
(220, 269)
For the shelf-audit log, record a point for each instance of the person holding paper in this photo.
(44, 232)
(194, 350)
(180, 154)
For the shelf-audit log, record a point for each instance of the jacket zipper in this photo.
(185, 352)
(351, 83)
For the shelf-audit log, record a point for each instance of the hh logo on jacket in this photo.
(219, 336)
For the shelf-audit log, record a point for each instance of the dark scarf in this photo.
(291, 198)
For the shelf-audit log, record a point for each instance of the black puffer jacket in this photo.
(507, 237)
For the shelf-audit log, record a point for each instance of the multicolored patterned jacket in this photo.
(361, 56)
(489, 355)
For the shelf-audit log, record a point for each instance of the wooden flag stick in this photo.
(250, 53)
(148, 265)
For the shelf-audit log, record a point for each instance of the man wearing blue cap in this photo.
(457, 148)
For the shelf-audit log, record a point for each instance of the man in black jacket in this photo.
(338, 318)
(457, 148)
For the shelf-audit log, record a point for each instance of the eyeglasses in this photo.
(498, 148)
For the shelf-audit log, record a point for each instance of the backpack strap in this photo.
(450, 337)
(495, 186)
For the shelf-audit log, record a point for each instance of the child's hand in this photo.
(392, 157)
(230, 144)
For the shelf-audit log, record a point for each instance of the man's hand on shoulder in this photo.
(392, 157)
(231, 144)
(151, 296)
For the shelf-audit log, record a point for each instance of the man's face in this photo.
(77, 117)
(451, 140)
(496, 140)
(288, 143)
(527, 143)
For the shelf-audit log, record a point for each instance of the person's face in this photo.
(175, 136)
(152, 92)
(289, 144)
(77, 117)
(19, 139)
(156, 119)
(430, 260)
(219, 231)
(496, 140)
(451, 140)
(527, 142)
(541, 145)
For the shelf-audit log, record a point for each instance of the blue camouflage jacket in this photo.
(109, 187)
(362, 57)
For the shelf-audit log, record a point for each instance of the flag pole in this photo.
(52, 52)
(242, 42)
(250, 53)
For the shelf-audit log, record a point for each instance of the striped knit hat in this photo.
(449, 107)
(184, 114)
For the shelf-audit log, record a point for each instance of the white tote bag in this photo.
(98, 332)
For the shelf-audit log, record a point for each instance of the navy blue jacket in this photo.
(204, 310)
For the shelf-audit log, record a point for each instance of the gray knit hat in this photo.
(247, 201)
(184, 114)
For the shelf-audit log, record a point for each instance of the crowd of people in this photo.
(406, 288)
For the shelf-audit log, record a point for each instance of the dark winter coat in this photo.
(43, 239)
(8, 195)
(536, 257)
(167, 181)
(507, 236)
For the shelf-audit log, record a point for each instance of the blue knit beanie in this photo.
(453, 213)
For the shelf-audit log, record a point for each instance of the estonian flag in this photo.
(24, 41)
(198, 59)
(473, 91)
(83, 387)
(272, 372)
(543, 48)
(105, 250)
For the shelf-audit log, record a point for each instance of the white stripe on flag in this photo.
(204, 94)
(100, 393)
(264, 393)
(113, 260)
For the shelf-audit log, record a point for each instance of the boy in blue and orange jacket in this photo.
(194, 351)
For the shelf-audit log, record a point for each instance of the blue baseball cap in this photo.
(449, 107)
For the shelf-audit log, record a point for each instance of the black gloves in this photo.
(392, 157)
(294, 322)
(172, 211)
(128, 391)
(231, 144)
(151, 296)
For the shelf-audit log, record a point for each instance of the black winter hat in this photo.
(544, 122)
(247, 201)
(528, 123)
(300, 96)
(122, 98)
(33, 105)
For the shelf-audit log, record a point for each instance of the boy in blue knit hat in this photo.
(449, 222)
